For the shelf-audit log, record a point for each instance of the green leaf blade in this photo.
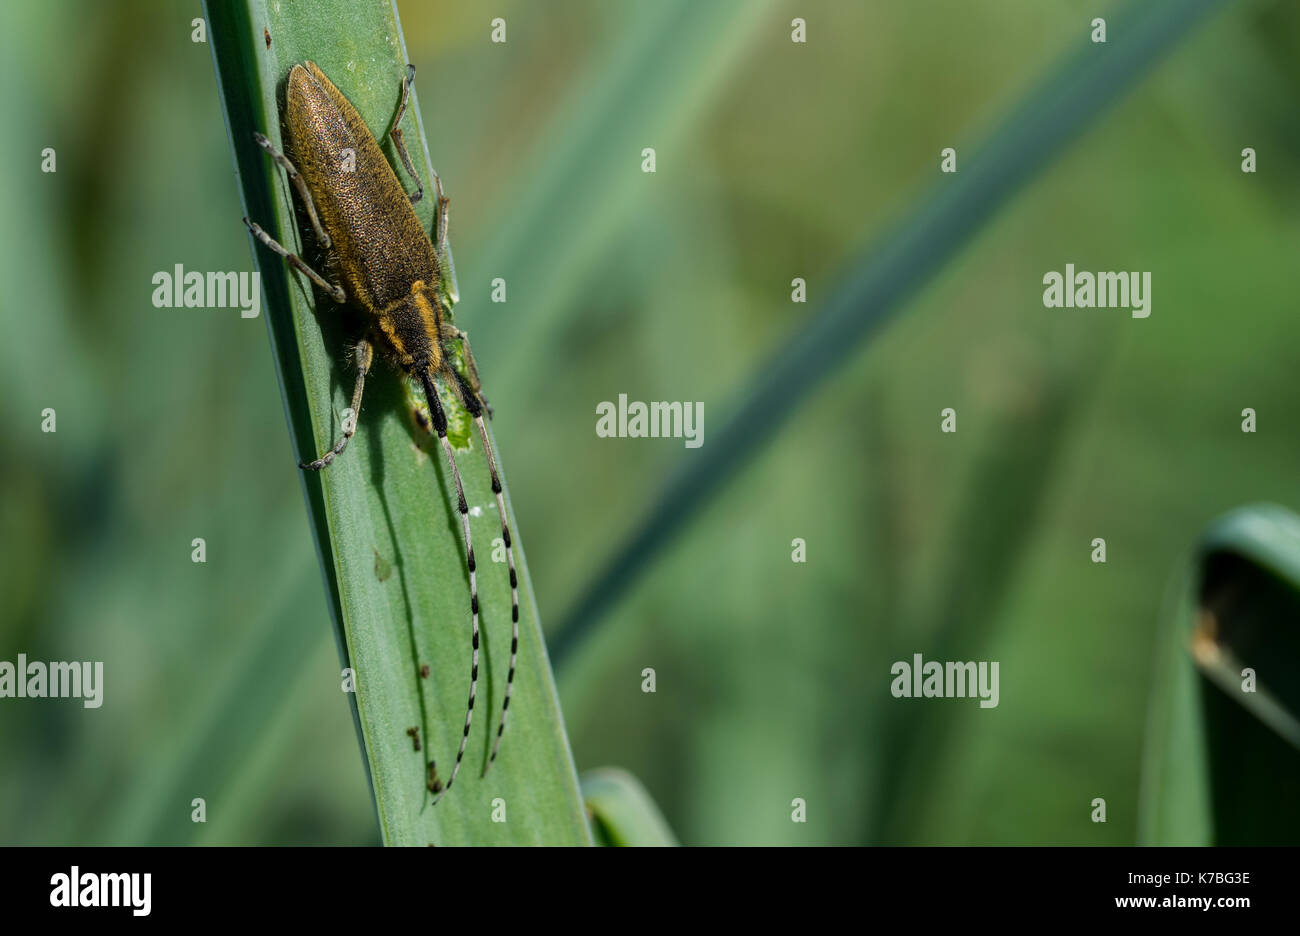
(1223, 740)
(622, 812)
(384, 512)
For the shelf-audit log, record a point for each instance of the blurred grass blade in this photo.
(1247, 618)
(1250, 613)
(229, 719)
(1007, 493)
(886, 275)
(1235, 748)
(652, 82)
(622, 812)
(1174, 796)
(383, 514)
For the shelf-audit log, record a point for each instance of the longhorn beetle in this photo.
(403, 285)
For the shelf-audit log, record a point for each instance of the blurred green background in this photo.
(775, 160)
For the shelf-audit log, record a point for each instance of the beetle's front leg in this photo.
(399, 141)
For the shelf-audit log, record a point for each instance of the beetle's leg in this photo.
(396, 134)
(365, 356)
(447, 269)
(321, 237)
(451, 333)
(336, 292)
(440, 222)
(399, 143)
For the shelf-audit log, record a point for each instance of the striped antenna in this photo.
(440, 427)
(474, 404)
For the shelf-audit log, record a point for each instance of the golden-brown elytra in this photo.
(385, 259)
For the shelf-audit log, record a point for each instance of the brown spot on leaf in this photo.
(383, 568)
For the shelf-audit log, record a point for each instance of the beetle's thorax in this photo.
(411, 328)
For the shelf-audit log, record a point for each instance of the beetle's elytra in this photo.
(401, 283)
(385, 259)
